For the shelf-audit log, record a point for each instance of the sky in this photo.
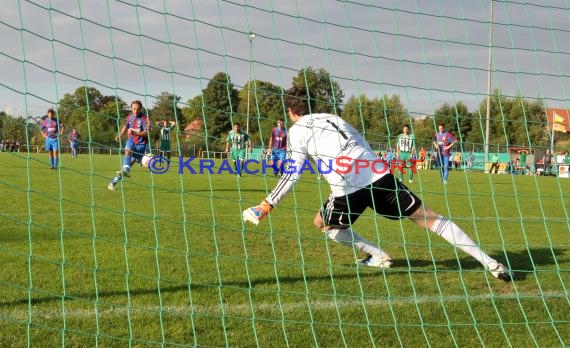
(428, 52)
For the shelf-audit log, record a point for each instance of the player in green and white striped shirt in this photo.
(405, 151)
(239, 142)
(165, 127)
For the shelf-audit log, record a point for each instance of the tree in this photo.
(17, 128)
(500, 109)
(73, 108)
(395, 116)
(192, 112)
(456, 119)
(96, 117)
(329, 97)
(220, 100)
(266, 106)
(192, 109)
(513, 121)
(166, 108)
(361, 112)
(424, 131)
(380, 120)
(3, 116)
(477, 134)
(526, 123)
(105, 124)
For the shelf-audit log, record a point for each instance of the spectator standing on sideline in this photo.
(470, 160)
(457, 160)
(494, 163)
(423, 153)
(388, 157)
(548, 160)
(522, 160)
(432, 161)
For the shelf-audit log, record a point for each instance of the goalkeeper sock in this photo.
(449, 231)
(350, 238)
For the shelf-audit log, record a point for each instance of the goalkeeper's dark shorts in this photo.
(387, 196)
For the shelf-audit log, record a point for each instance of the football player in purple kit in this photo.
(137, 128)
(51, 129)
(443, 141)
(278, 146)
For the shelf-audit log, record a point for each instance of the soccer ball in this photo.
(146, 160)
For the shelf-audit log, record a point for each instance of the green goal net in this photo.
(165, 259)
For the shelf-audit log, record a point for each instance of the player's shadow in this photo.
(522, 263)
(264, 191)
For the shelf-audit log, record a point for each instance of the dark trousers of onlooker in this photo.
(547, 169)
(495, 166)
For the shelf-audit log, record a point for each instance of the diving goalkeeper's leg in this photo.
(347, 236)
(453, 234)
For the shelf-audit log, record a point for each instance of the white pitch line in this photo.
(245, 309)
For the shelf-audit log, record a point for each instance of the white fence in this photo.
(191, 150)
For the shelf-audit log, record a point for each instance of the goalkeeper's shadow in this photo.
(522, 262)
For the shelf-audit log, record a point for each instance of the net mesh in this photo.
(165, 259)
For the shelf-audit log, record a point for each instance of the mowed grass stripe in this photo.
(179, 240)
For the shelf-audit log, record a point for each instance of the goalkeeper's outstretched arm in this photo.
(283, 187)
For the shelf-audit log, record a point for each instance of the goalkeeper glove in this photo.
(257, 213)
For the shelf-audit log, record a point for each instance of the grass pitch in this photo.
(166, 260)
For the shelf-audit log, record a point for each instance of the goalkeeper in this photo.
(327, 137)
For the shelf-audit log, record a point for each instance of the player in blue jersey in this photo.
(73, 138)
(137, 128)
(51, 129)
(443, 141)
(278, 146)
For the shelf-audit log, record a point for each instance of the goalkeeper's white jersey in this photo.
(326, 138)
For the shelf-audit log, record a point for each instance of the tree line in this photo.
(514, 121)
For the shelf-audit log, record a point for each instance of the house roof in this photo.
(194, 126)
